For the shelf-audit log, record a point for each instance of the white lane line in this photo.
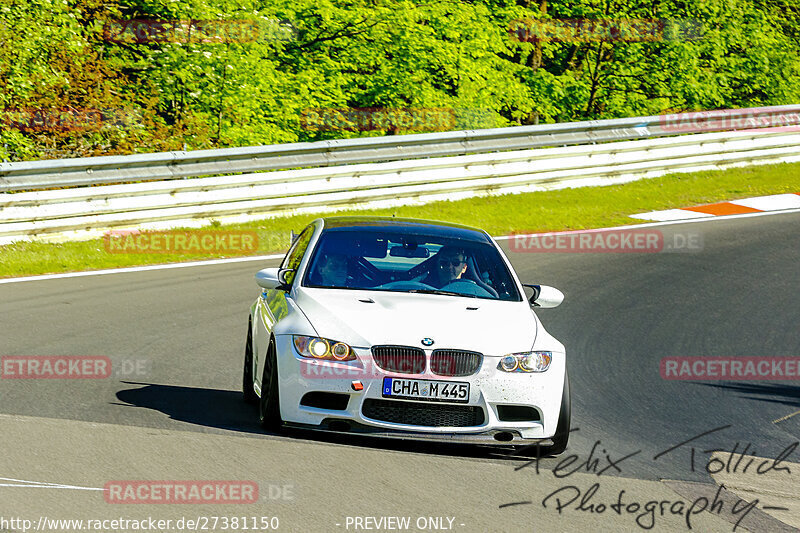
(21, 483)
(787, 417)
(27, 481)
(69, 487)
(280, 256)
(141, 268)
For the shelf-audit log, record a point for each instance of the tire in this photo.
(248, 393)
(561, 438)
(269, 412)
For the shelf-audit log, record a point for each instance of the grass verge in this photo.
(567, 209)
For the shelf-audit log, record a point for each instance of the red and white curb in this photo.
(759, 204)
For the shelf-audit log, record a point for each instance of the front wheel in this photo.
(561, 437)
(248, 393)
(269, 412)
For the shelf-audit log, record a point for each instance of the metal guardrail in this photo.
(87, 212)
(35, 175)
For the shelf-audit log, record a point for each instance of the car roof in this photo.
(431, 227)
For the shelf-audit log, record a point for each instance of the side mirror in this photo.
(273, 278)
(545, 297)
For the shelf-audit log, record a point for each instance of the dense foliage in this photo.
(74, 82)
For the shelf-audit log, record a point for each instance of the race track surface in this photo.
(172, 409)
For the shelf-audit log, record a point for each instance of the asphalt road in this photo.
(172, 407)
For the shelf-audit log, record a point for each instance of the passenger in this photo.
(332, 270)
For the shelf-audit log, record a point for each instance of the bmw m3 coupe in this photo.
(407, 329)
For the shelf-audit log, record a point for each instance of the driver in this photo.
(449, 265)
(332, 270)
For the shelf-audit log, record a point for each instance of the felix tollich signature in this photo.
(600, 462)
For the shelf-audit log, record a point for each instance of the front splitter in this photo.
(509, 438)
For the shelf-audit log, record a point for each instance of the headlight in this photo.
(508, 363)
(526, 362)
(318, 348)
(340, 351)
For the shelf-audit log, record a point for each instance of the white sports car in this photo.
(405, 328)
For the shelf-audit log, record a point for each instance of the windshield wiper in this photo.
(437, 291)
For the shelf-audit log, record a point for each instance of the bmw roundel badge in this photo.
(427, 341)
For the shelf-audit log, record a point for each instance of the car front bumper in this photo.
(490, 388)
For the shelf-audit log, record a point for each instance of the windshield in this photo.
(414, 262)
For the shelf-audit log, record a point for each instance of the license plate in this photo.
(421, 389)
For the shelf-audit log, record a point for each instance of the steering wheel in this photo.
(466, 286)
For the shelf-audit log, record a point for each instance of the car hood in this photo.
(494, 328)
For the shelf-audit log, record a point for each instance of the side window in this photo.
(296, 252)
